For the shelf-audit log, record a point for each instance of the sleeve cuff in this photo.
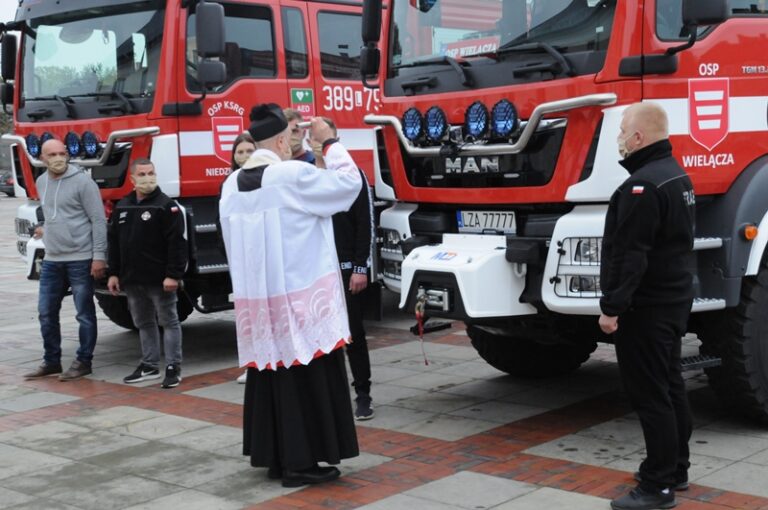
(360, 270)
(99, 255)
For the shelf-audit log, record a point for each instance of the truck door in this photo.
(255, 74)
(336, 43)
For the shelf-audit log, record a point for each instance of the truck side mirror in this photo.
(211, 73)
(370, 57)
(10, 44)
(371, 23)
(705, 12)
(209, 29)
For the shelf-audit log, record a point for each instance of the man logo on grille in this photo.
(225, 130)
(708, 110)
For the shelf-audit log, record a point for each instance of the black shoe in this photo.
(43, 370)
(309, 476)
(363, 409)
(172, 376)
(275, 473)
(641, 499)
(680, 485)
(143, 372)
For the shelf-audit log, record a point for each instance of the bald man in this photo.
(75, 238)
(647, 283)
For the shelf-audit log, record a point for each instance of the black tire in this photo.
(537, 347)
(740, 337)
(116, 309)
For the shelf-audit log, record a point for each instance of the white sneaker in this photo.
(242, 378)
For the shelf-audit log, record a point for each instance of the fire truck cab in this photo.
(499, 124)
(174, 81)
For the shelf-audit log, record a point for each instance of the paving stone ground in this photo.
(453, 434)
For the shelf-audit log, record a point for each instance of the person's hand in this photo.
(38, 233)
(317, 150)
(358, 282)
(170, 285)
(319, 131)
(98, 269)
(114, 285)
(608, 324)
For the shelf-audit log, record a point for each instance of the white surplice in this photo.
(289, 300)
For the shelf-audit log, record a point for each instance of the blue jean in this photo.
(55, 279)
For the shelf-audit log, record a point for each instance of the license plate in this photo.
(486, 221)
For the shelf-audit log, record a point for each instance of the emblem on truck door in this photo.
(225, 130)
(708, 110)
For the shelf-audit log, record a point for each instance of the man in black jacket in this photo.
(352, 232)
(147, 259)
(647, 284)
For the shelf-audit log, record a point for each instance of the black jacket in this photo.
(146, 240)
(647, 254)
(352, 231)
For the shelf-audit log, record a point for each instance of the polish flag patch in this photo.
(637, 190)
(174, 209)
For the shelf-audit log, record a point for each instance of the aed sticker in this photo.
(303, 101)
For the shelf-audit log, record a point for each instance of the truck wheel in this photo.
(523, 354)
(740, 337)
(116, 309)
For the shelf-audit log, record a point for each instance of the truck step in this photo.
(700, 361)
(206, 228)
(707, 304)
(707, 243)
(213, 268)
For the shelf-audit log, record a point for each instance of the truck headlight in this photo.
(580, 284)
(587, 251)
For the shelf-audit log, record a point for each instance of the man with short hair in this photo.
(147, 260)
(647, 283)
(298, 149)
(75, 239)
(289, 304)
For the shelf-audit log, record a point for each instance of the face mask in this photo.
(57, 164)
(624, 151)
(297, 144)
(145, 184)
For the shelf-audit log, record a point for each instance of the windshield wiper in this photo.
(561, 63)
(124, 106)
(466, 79)
(65, 101)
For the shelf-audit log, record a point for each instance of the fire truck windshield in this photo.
(75, 62)
(423, 30)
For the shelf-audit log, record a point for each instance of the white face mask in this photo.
(145, 184)
(242, 153)
(241, 158)
(57, 164)
(624, 151)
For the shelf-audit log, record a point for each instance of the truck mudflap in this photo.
(465, 277)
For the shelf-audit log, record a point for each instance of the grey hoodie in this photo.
(75, 226)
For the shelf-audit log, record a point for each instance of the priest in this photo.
(291, 318)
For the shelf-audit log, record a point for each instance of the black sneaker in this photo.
(363, 409)
(142, 373)
(642, 499)
(172, 376)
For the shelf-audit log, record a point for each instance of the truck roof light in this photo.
(33, 145)
(504, 118)
(413, 124)
(90, 144)
(476, 119)
(436, 123)
(72, 141)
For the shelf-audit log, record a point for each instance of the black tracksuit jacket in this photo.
(146, 240)
(352, 231)
(647, 254)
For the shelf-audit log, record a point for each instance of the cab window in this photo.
(296, 58)
(669, 16)
(340, 43)
(249, 50)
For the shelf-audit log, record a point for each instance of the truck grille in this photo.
(23, 227)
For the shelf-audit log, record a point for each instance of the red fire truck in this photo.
(499, 126)
(173, 80)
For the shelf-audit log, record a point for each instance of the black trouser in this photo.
(357, 351)
(648, 344)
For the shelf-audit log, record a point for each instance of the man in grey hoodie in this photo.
(75, 237)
